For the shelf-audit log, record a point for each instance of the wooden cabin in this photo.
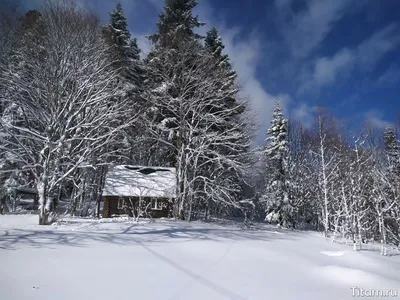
(132, 190)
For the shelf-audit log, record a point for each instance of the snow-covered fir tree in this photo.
(182, 119)
(390, 178)
(194, 116)
(176, 23)
(175, 28)
(240, 143)
(124, 56)
(213, 43)
(392, 149)
(125, 52)
(276, 198)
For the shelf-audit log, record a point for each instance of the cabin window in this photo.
(121, 203)
(156, 204)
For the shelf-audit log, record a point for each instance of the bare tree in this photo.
(62, 90)
(327, 166)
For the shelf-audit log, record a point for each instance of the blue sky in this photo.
(343, 54)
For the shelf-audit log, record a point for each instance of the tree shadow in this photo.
(131, 233)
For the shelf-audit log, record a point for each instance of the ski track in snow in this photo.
(166, 259)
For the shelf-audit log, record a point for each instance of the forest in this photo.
(78, 96)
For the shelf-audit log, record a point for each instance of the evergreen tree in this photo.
(125, 57)
(277, 197)
(213, 43)
(175, 33)
(125, 51)
(27, 30)
(391, 144)
(176, 23)
(214, 46)
(177, 59)
(392, 149)
(207, 159)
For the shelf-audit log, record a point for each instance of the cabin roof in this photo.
(140, 181)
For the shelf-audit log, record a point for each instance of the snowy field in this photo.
(120, 259)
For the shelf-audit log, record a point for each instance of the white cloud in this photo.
(376, 120)
(305, 30)
(379, 44)
(143, 43)
(304, 113)
(391, 75)
(365, 56)
(327, 69)
(245, 53)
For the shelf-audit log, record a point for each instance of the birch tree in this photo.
(327, 168)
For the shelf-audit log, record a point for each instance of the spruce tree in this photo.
(125, 60)
(176, 23)
(392, 149)
(277, 196)
(175, 33)
(213, 44)
(177, 69)
(124, 52)
(391, 143)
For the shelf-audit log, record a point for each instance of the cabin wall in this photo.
(110, 207)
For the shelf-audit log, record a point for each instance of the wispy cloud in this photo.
(379, 44)
(304, 31)
(143, 43)
(376, 119)
(391, 75)
(327, 69)
(245, 53)
(364, 57)
(304, 113)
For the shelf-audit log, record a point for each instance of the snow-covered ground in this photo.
(120, 259)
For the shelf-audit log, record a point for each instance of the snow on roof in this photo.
(140, 181)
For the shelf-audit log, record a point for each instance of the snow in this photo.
(333, 253)
(166, 259)
(162, 88)
(130, 181)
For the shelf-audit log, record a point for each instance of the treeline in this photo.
(76, 96)
(346, 184)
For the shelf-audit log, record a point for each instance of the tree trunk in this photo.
(42, 193)
(98, 207)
